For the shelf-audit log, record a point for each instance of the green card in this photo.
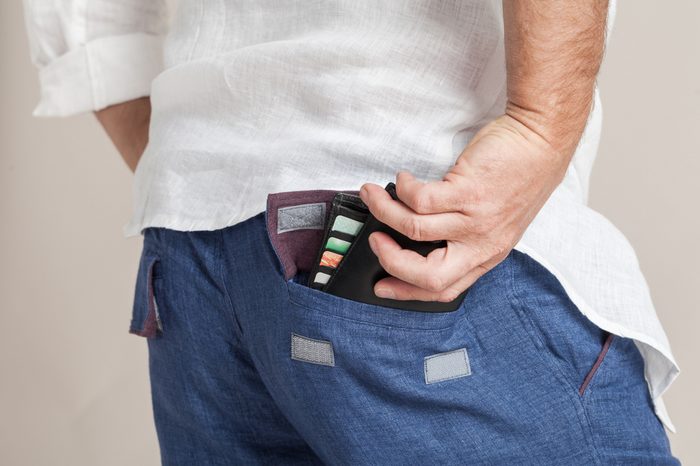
(337, 245)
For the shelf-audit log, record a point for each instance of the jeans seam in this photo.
(222, 277)
(518, 307)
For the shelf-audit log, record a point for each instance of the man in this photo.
(488, 117)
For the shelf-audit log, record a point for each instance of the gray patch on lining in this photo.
(304, 216)
(446, 366)
(310, 350)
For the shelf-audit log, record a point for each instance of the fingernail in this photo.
(384, 293)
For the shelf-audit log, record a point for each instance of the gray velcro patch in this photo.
(304, 216)
(446, 366)
(311, 350)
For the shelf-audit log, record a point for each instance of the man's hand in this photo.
(487, 199)
(127, 126)
(482, 206)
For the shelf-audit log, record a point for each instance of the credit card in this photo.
(337, 245)
(347, 217)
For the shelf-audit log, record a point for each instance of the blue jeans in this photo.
(248, 365)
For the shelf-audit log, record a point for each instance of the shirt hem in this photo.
(132, 228)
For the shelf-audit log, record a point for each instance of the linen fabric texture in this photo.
(256, 97)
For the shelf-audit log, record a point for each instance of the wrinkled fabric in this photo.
(248, 366)
(257, 97)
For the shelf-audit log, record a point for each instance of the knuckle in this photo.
(413, 228)
(477, 194)
(422, 202)
(500, 251)
(470, 266)
(380, 210)
(460, 200)
(387, 263)
(468, 224)
(472, 197)
(434, 283)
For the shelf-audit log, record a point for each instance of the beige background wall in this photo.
(73, 382)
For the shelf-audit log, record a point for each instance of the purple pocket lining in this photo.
(297, 249)
(596, 365)
(150, 323)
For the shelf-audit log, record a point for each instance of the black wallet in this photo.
(347, 265)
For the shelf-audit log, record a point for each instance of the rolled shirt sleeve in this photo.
(94, 53)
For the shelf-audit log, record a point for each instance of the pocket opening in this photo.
(599, 360)
(322, 303)
(295, 244)
(146, 321)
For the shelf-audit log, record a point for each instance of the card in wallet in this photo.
(354, 278)
(347, 216)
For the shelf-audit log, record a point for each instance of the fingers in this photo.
(433, 273)
(395, 288)
(451, 194)
(419, 227)
(425, 212)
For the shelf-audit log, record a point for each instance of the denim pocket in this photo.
(294, 251)
(145, 318)
(328, 304)
(567, 341)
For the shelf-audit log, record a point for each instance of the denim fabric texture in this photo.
(539, 383)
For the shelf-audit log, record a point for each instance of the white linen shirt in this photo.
(251, 97)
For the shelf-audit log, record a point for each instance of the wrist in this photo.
(559, 124)
(533, 150)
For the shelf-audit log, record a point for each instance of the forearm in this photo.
(553, 53)
(127, 125)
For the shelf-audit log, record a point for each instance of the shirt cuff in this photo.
(100, 73)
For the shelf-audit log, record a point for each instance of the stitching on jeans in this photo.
(532, 333)
(517, 307)
(365, 322)
(222, 276)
